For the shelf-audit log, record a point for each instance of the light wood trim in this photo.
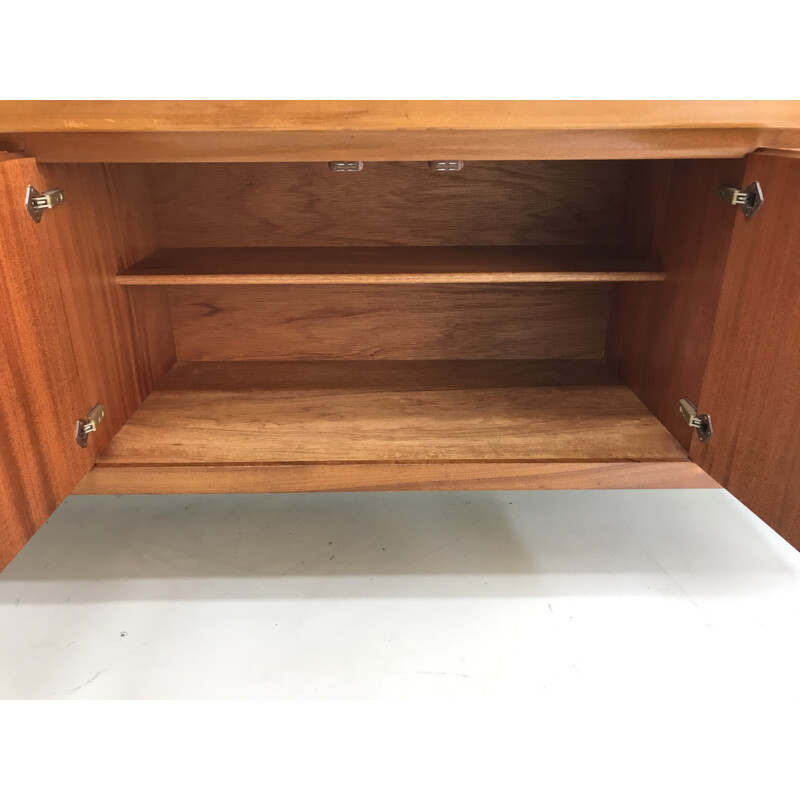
(263, 130)
(411, 145)
(393, 477)
(390, 115)
(137, 277)
(384, 265)
(771, 151)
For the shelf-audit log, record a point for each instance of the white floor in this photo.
(679, 599)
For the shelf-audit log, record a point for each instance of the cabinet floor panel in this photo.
(429, 412)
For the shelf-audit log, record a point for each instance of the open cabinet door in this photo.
(70, 337)
(751, 387)
(40, 391)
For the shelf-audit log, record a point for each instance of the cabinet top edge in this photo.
(126, 116)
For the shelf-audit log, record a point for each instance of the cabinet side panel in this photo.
(122, 338)
(659, 334)
(40, 391)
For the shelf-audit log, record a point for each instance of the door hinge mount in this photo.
(83, 427)
(446, 166)
(700, 422)
(37, 202)
(749, 199)
(345, 166)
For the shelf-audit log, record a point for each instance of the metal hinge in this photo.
(345, 166)
(749, 199)
(37, 203)
(446, 166)
(700, 422)
(84, 427)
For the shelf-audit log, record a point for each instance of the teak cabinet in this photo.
(251, 320)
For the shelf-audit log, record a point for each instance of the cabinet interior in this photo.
(432, 329)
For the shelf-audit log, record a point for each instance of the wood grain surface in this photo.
(385, 265)
(238, 479)
(122, 338)
(658, 335)
(249, 422)
(41, 394)
(192, 131)
(391, 115)
(412, 145)
(245, 323)
(384, 376)
(752, 382)
(305, 205)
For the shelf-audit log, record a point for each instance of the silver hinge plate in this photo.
(749, 199)
(446, 166)
(83, 427)
(37, 202)
(345, 166)
(700, 422)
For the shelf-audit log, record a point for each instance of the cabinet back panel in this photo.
(390, 203)
(242, 323)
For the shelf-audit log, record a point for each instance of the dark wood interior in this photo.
(394, 328)
(245, 323)
(403, 317)
(566, 203)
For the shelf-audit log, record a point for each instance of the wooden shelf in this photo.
(380, 425)
(385, 265)
(424, 412)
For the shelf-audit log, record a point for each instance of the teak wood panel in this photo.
(245, 323)
(238, 479)
(303, 205)
(375, 146)
(659, 335)
(191, 131)
(752, 383)
(385, 265)
(41, 394)
(122, 338)
(195, 416)
(392, 115)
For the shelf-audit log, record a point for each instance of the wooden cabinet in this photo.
(253, 321)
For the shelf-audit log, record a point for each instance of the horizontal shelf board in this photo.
(385, 265)
(292, 413)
